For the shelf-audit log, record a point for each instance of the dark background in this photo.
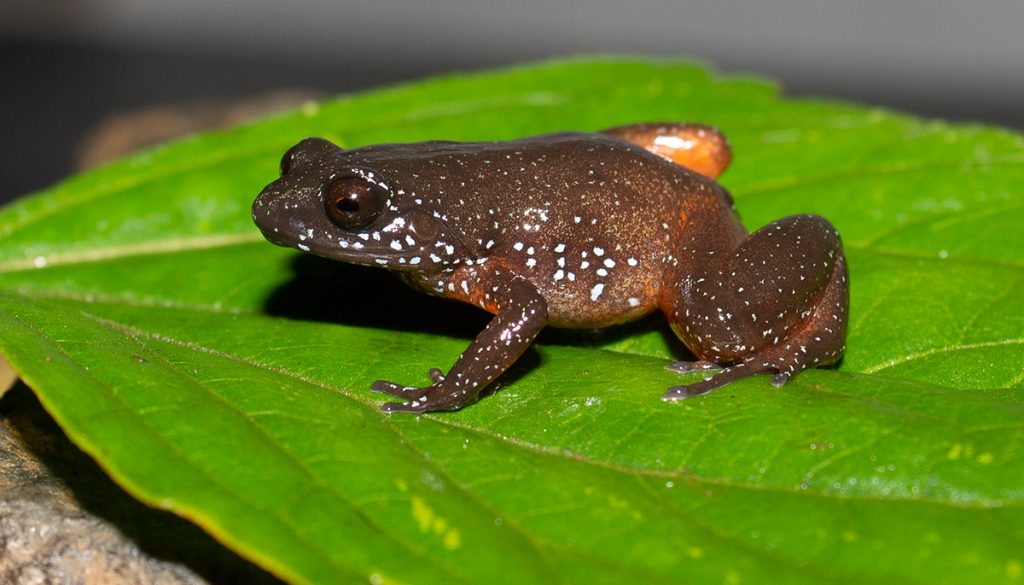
(68, 63)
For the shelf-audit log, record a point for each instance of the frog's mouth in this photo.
(408, 241)
(277, 238)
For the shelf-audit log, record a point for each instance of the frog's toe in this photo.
(411, 392)
(725, 376)
(680, 392)
(411, 406)
(686, 391)
(421, 405)
(687, 367)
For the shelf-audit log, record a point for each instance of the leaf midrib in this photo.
(145, 248)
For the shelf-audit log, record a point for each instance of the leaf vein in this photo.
(939, 350)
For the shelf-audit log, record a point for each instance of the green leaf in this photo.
(224, 379)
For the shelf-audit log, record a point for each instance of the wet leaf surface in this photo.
(227, 380)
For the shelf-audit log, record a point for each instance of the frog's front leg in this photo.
(520, 313)
(777, 303)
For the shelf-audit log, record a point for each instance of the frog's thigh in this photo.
(697, 147)
(779, 304)
(785, 286)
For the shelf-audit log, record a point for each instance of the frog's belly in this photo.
(592, 301)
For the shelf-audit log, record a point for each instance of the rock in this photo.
(7, 376)
(62, 520)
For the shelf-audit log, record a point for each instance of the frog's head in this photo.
(330, 203)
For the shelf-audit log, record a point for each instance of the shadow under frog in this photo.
(573, 230)
(323, 290)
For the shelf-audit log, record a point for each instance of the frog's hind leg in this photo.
(699, 148)
(779, 303)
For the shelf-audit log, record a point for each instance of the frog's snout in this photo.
(275, 213)
(262, 209)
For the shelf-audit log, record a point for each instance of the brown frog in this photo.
(575, 230)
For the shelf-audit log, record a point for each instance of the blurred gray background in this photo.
(68, 63)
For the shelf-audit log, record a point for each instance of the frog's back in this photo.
(589, 219)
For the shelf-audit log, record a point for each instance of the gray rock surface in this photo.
(63, 521)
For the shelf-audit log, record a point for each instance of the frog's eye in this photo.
(353, 202)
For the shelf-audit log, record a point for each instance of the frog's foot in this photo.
(723, 377)
(425, 403)
(412, 392)
(437, 396)
(443, 394)
(786, 360)
(420, 399)
(696, 366)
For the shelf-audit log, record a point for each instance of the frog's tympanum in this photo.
(572, 230)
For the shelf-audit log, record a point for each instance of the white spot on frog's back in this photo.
(395, 225)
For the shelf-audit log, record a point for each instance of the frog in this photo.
(572, 229)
